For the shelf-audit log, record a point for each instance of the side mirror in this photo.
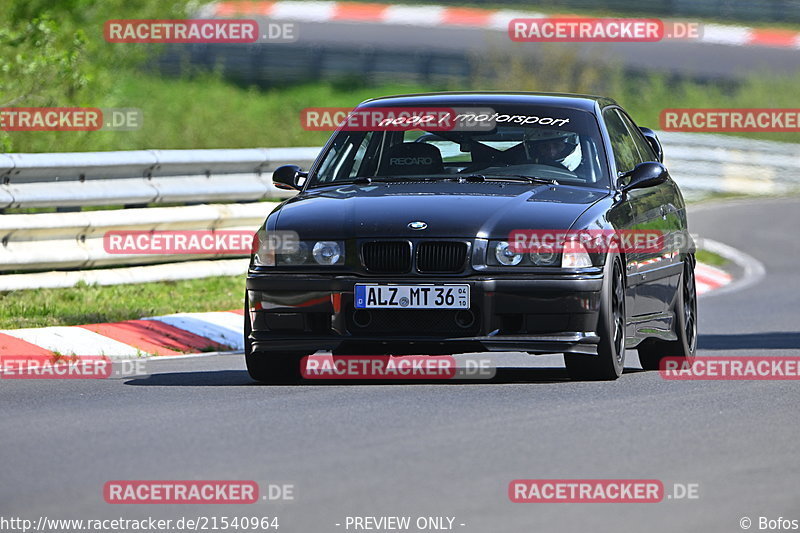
(655, 144)
(289, 178)
(645, 175)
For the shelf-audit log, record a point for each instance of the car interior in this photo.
(502, 151)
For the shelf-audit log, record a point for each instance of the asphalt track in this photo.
(701, 60)
(442, 450)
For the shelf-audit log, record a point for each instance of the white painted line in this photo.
(309, 11)
(118, 276)
(191, 356)
(500, 19)
(731, 35)
(754, 270)
(72, 340)
(712, 275)
(414, 15)
(222, 327)
(702, 288)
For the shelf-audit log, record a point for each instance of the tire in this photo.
(652, 351)
(274, 368)
(609, 362)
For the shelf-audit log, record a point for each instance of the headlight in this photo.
(324, 253)
(297, 257)
(264, 252)
(264, 258)
(505, 255)
(327, 252)
(570, 254)
(544, 256)
(575, 256)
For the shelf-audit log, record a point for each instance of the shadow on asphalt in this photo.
(776, 340)
(239, 378)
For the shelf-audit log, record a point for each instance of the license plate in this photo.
(412, 297)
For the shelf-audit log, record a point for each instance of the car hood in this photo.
(465, 210)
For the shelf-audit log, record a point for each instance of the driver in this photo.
(552, 147)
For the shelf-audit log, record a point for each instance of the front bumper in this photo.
(536, 314)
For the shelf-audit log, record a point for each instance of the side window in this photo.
(641, 143)
(362, 160)
(626, 155)
(338, 162)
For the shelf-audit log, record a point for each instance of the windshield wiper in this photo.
(389, 179)
(467, 178)
(471, 178)
(366, 180)
(508, 177)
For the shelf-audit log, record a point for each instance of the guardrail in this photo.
(143, 177)
(700, 163)
(75, 240)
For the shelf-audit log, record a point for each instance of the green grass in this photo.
(209, 112)
(714, 196)
(89, 304)
(711, 258)
(643, 96)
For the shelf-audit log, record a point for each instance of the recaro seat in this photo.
(415, 159)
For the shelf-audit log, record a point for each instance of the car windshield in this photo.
(554, 144)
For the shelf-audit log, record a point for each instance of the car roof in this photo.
(582, 102)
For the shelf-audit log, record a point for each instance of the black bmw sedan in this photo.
(470, 222)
